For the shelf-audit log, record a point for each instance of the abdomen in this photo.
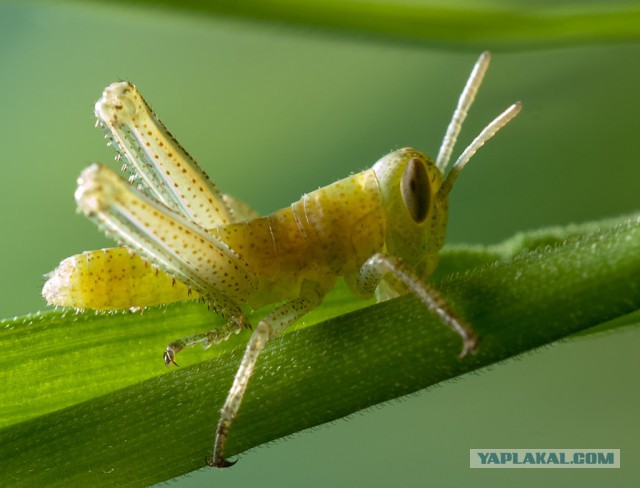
(111, 279)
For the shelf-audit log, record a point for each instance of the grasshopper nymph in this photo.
(384, 225)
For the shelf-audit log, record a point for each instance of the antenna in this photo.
(464, 102)
(487, 133)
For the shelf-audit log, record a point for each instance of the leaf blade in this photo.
(320, 373)
(492, 25)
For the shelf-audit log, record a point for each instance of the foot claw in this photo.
(169, 357)
(469, 345)
(219, 463)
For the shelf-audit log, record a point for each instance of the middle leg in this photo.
(215, 336)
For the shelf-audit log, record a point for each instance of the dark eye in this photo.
(415, 189)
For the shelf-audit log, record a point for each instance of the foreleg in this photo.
(379, 265)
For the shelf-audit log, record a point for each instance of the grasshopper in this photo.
(380, 229)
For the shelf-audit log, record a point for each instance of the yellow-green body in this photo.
(319, 238)
(327, 234)
(330, 233)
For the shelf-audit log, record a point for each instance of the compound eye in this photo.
(416, 190)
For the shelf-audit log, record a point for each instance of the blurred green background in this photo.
(272, 112)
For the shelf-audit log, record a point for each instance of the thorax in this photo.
(326, 234)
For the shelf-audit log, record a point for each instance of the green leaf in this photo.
(493, 25)
(98, 408)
